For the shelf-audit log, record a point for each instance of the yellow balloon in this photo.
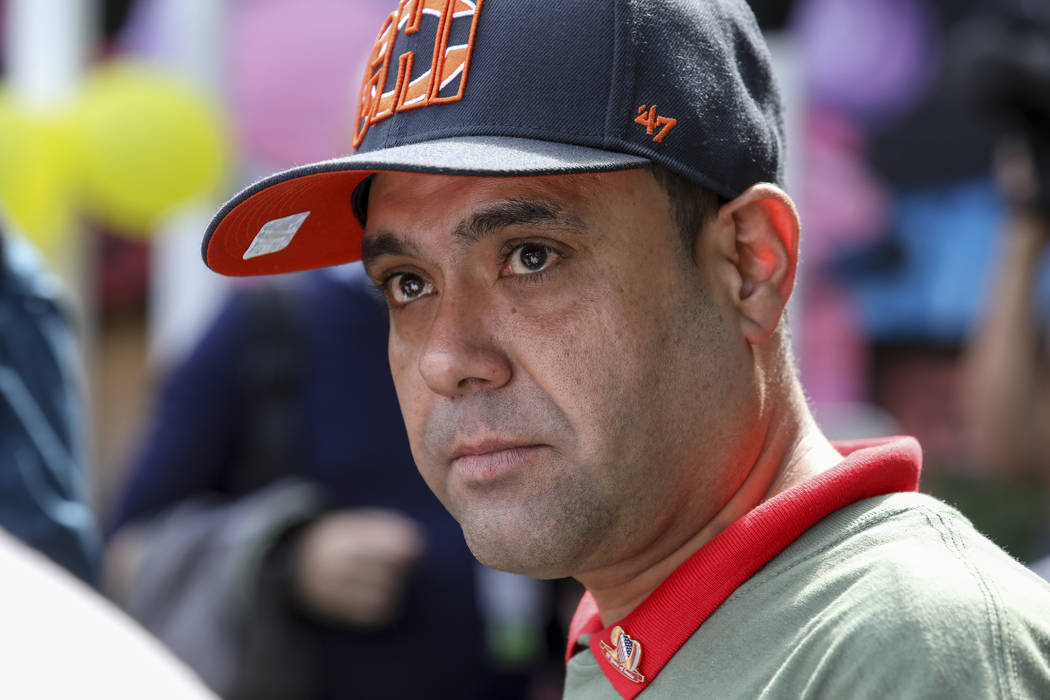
(147, 143)
(36, 167)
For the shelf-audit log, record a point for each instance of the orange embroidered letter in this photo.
(413, 88)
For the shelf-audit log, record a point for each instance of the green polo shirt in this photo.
(891, 596)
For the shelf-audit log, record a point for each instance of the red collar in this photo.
(670, 615)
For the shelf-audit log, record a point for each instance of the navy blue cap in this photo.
(504, 88)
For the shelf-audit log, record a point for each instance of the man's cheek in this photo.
(411, 395)
(413, 411)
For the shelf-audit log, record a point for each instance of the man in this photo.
(572, 209)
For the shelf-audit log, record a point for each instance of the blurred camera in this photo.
(1001, 66)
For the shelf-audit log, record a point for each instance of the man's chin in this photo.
(526, 556)
(545, 528)
(511, 565)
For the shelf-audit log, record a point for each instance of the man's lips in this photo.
(486, 447)
(487, 460)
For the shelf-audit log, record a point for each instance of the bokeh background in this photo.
(125, 123)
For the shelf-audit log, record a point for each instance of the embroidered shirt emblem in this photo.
(439, 76)
(648, 118)
(625, 654)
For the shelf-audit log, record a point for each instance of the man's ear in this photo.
(760, 236)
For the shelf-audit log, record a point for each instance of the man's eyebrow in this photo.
(514, 212)
(487, 221)
(375, 247)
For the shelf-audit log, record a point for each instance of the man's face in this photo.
(570, 385)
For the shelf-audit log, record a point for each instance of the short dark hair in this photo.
(691, 204)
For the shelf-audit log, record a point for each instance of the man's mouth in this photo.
(487, 460)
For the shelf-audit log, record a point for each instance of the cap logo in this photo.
(648, 118)
(625, 654)
(445, 75)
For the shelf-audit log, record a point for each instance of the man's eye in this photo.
(405, 287)
(530, 258)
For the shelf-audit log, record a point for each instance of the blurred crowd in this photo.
(247, 494)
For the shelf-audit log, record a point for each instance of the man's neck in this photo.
(794, 452)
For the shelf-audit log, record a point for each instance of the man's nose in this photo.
(462, 352)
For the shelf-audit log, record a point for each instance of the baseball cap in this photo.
(502, 88)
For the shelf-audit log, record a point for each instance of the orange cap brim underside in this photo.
(329, 235)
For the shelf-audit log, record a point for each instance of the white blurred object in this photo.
(63, 640)
(46, 46)
(184, 294)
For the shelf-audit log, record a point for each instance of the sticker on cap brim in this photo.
(275, 235)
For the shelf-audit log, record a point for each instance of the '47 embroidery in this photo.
(648, 118)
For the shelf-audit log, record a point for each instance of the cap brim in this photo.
(303, 218)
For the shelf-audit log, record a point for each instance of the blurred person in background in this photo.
(903, 220)
(274, 531)
(1009, 367)
(43, 497)
(1008, 364)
